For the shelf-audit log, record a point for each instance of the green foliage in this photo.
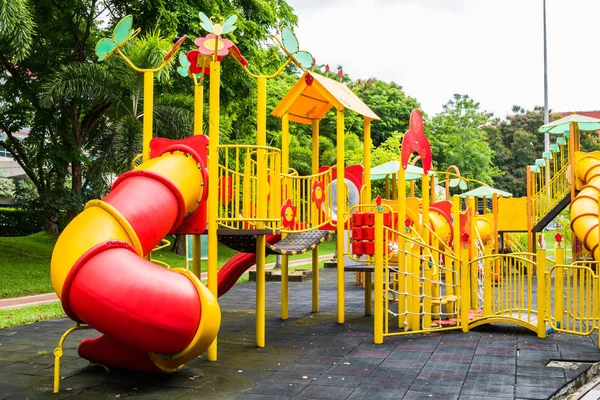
(16, 28)
(18, 222)
(458, 137)
(7, 186)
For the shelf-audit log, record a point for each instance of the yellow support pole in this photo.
(465, 290)
(198, 111)
(541, 292)
(402, 267)
(473, 253)
(261, 210)
(425, 208)
(367, 157)
(285, 166)
(415, 288)
(378, 271)
(456, 243)
(559, 283)
(148, 114)
(341, 210)
(315, 252)
(213, 187)
(427, 294)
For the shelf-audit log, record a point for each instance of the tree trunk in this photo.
(51, 226)
(179, 245)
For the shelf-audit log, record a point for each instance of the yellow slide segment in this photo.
(584, 208)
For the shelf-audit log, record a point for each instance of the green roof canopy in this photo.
(586, 124)
(391, 167)
(485, 191)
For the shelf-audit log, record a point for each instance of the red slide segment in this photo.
(229, 273)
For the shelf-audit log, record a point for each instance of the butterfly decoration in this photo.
(289, 44)
(227, 26)
(122, 33)
(461, 183)
(184, 67)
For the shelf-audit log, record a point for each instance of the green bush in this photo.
(18, 222)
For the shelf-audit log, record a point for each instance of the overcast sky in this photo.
(491, 50)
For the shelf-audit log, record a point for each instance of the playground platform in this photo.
(309, 356)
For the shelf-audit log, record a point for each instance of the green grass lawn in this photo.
(28, 315)
(25, 265)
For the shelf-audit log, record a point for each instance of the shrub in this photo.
(18, 222)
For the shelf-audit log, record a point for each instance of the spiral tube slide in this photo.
(152, 319)
(584, 208)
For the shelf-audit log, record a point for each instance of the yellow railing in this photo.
(423, 282)
(573, 304)
(312, 198)
(513, 243)
(510, 296)
(238, 186)
(547, 194)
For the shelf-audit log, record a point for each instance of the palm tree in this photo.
(16, 27)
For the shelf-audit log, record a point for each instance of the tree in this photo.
(458, 137)
(16, 28)
(7, 186)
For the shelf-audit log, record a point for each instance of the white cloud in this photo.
(489, 49)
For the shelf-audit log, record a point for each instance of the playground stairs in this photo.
(545, 219)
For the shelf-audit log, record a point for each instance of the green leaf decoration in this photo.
(453, 182)
(462, 184)
(123, 30)
(104, 48)
(206, 23)
(229, 24)
(122, 33)
(290, 43)
(304, 58)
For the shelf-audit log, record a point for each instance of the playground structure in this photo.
(437, 265)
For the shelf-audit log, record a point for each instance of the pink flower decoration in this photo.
(206, 45)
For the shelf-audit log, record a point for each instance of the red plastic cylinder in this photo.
(151, 220)
(136, 302)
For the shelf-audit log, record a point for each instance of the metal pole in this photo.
(546, 112)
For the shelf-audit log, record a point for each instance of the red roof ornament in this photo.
(464, 237)
(415, 141)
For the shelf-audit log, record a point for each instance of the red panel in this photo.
(369, 233)
(357, 219)
(369, 248)
(357, 233)
(358, 248)
(136, 302)
(369, 219)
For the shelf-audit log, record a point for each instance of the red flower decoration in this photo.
(288, 214)
(206, 45)
(197, 60)
(318, 193)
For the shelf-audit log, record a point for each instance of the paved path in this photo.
(309, 356)
(52, 297)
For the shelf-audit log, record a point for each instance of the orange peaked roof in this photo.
(312, 97)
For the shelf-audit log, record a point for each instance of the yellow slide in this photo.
(584, 208)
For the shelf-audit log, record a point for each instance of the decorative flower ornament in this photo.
(318, 193)
(288, 214)
(211, 43)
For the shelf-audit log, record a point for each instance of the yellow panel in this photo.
(512, 214)
(78, 238)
